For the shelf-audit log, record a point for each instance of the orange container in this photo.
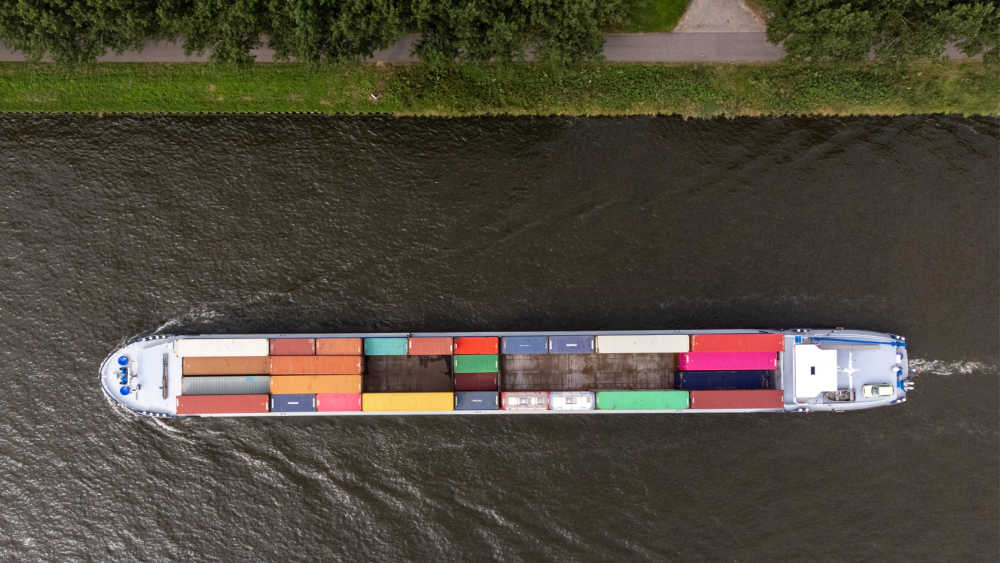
(737, 342)
(338, 346)
(315, 365)
(425, 346)
(235, 365)
(292, 346)
(287, 384)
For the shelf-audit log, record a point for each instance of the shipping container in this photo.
(315, 365)
(226, 385)
(300, 402)
(747, 399)
(292, 346)
(737, 343)
(437, 346)
(525, 400)
(219, 347)
(524, 345)
(727, 361)
(338, 402)
(222, 404)
(468, 345)
(574, 344)
(477, 401)
(407, 402)
(291, 384)
(338, 346)
(642, 400)
(230, 365)
(571, 400)
(642, 343)
(476, 381)
(746, 379)
(477, 363)
(386, 346)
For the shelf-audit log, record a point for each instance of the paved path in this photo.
(622, 47)
(625, 47)
(708, 16)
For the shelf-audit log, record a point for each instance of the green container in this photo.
(477, 363)
(642, 400)
(386, 347)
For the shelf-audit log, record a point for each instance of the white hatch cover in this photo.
(815, 371)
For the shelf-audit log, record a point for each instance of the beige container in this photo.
(643, 343)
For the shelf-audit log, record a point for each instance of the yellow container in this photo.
(407, 402)
(293, 384)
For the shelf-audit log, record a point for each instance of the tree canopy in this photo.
(890, 30)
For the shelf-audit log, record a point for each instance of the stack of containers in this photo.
(339, 402)
(476, 366)
(223, 375)
(407, 402)
(298, 374)
(732, 371)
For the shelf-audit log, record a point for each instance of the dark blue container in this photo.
(477, 401)
(702, 380)
(293, 403)
(524, 345)
(571, 344)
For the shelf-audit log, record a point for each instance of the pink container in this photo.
(719, 361)
(331, 402)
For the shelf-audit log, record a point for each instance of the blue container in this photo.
(293, 403)
(744, 379)
(524, 345)
(477, 401)
(571, 344)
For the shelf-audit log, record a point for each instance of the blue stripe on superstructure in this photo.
(853, 341)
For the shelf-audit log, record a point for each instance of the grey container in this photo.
(477, 401)
(226, 385)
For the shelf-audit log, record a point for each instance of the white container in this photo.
(643, 343)
(571, 401)
(210, 347)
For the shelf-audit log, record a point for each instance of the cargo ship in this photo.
(694, 371)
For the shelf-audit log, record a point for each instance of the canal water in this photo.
(116, 226)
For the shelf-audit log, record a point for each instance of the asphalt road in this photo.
(624, 47)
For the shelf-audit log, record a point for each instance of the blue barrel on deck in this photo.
(123, 360)
(571, 344)
(299, 402)
(524, 345)
(736, 379)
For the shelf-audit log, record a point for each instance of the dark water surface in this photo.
(111, 227)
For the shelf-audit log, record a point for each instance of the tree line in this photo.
(318, 31)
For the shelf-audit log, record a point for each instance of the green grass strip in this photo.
(695, 90)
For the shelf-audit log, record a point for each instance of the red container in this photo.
(476, 381)
(477, 345)
(221, 404)
(293, 346)
(727, 361)
(338, 346)
(315, 365)
(429, 346)
(742, 399)
(737, 342)
(336, 402)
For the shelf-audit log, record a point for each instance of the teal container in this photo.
(477, 363)
(642, 400)
(386, 347)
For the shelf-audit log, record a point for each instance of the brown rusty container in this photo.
(338, 346)
(475, 382)
(285, 384)
(315, 365)
(230, 365)
(292, 346)
(429, 346)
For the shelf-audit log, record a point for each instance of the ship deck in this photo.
(586, 372)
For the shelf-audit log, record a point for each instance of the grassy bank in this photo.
(655, 15)
(697, 90)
